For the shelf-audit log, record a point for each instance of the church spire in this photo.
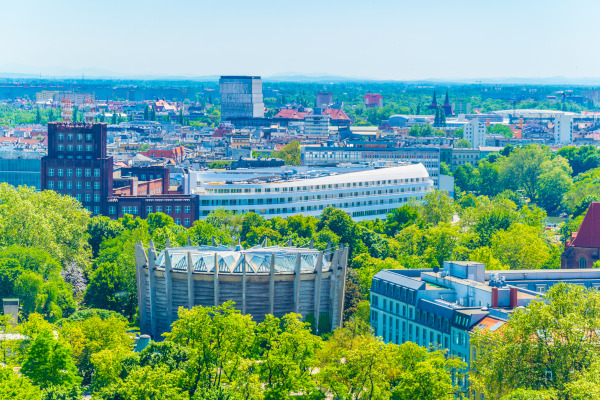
(433, 105)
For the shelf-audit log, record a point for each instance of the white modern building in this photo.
(563, 129)
(364, 194)
(316, 124)
(372, 152)
(475, 132)
(241, 97)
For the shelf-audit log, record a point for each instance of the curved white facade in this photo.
(365, 195)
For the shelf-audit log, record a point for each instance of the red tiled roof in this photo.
(288, 113)
(588, 234)
(487, 323)
(336, 114)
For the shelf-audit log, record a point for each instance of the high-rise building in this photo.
(20, 168)
(316, 124)
(77, 164)
(324, 99)
(373, 100)
(475, 132)
(563, 129)
(241, 97)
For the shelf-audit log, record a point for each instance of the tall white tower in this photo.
(563, 129)
(475, 132)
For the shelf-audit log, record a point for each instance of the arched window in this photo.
(582, 262)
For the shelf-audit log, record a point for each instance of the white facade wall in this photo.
(364, 195)
(316, 125)
(475, 132)
(563, 129)
(357, 155)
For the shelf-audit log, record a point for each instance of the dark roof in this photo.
(400, 280)
(436, 308)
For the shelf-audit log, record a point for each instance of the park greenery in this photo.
(559, 182)
(75, 278)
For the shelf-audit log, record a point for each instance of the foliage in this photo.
(45, 220)
(15, 386)
(554, 340)
(219, 165)
(499, 129)
(290, 153)
(48, 362)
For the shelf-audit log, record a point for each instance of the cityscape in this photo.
(195, 222)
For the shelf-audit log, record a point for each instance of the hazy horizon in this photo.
(378, 40)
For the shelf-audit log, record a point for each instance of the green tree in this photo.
(288, 356)
(109, 289)
(48, 362)
(522, 169)
(554, 340)
(101, 228)
(15, 386)
(92, 335)
(520, 247)
(463, 144)
(499, 129)
(554, 181)
(290, 153)
(45, 220)
(436, 207)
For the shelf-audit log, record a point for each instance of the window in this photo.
(97, 172)
(149, 209)
(88, 137)
(50, 171)
(78, 172)
(70, 136)
(582, 262)
(88, 185)
(61, 147)
(112, 210)
(96, 210)
(186, 222)
(178, 221)
(61, 136)
(79, 136)
(88, 147)
(88, 172)
(78, 196)
(168, 209)
(97, 198)
(79, 147)
(69, 185)
(69, 172)
(134, 210)
(50, 184)
(158, 209)
(78, 185)
(88, 197)
(187, 209)
(97, 185)
(60, 172)
(177, 209)
(69, 147)
(60, 185)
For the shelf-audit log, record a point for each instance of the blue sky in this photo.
(379, 39)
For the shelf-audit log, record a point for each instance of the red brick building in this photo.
(583, 249)
(77, 165)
